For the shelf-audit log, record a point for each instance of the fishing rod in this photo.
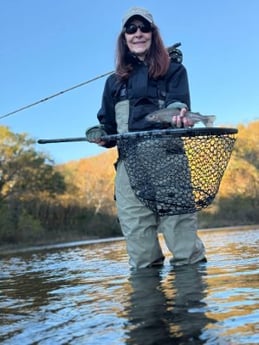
(55, 95)
(174, 53)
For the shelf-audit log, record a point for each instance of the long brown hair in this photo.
(157, 57)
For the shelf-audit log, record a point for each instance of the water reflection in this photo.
(167, 309)
(87, 295)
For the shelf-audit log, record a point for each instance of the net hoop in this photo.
(182, 132)
(176, 171)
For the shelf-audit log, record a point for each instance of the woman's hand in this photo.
(94, 135)
(181, 120)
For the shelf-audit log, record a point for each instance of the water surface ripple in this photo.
(86, 294)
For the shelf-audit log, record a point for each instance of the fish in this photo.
(164, 116)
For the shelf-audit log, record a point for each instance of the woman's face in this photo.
(138, 42)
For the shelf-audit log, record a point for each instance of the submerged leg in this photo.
(138, 224)
(180, 234)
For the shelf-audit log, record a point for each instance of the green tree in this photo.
(25, 176)
(23, 170)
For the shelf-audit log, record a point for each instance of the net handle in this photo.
(183, 132)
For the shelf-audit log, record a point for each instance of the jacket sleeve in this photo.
(106, 114)
(177, 86)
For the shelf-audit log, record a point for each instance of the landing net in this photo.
(176, 171)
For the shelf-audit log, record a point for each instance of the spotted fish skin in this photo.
(165, 115)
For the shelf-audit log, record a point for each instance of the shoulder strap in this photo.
(121, 93)
(161, 90)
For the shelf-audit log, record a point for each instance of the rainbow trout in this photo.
(165, 115)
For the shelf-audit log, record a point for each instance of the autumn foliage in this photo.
(42, 202)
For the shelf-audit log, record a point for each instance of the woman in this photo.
(146, 80)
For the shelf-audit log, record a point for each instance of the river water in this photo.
(84, 293)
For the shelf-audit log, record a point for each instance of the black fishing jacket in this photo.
(145, 95)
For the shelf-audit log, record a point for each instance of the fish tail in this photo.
(209, 120)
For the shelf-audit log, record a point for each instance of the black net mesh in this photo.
(176, 171)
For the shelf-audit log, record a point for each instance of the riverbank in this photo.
(26, 247)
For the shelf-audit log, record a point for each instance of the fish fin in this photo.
(209, 121)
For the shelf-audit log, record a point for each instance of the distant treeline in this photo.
(41, 202)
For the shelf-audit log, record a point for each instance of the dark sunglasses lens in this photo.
(145, 28)
(132, 29)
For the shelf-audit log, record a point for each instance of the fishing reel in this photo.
(175, 54)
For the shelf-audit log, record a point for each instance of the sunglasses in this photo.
(133, 28)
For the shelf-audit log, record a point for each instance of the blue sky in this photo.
(48, 46)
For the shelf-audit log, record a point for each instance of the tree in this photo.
(23, 170)
(247, 145)
(25, 177)
(238, 199)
